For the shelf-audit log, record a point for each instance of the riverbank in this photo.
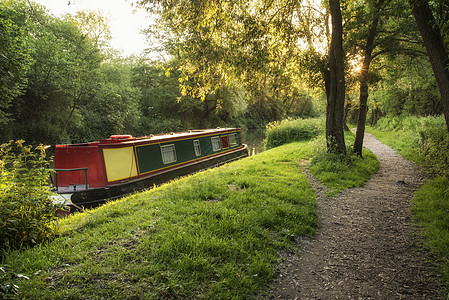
(218, 234)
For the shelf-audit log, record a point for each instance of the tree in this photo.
(406, 87)
(368, 56)
(113, 107)
(165, 109)
(375, 28)
(15, 57)
(62, 78)
(335, 84)
(431, 32)
(256, 43)
(94, 25)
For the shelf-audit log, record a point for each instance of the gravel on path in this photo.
(366, 245)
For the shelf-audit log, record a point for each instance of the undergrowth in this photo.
(286, 131)
(26, 210)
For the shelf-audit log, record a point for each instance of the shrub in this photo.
(423, 140)
(26, 209)
(434, 150)
(288, 130)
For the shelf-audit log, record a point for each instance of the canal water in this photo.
(254, 139)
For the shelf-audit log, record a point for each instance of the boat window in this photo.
(233, 139)
(197, 146)
(168, 153)
(216, 143)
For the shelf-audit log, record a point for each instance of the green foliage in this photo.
(430, 207)
(95, 25)
(217, 234)
(63, 77)
(407, 87)
(27, 212)
(288, 130)
(434, 150)
(114, 108)
(165, 109)
(83, 93)
(252, 43)
(15, 57)
(339, 172)
(423, 140)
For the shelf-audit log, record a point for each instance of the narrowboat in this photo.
(88, 174)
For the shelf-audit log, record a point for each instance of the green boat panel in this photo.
(149, 156)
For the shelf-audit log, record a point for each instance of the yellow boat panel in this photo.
(120, 163)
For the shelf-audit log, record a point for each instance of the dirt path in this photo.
(365, 246)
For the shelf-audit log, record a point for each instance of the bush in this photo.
(424, 140)
(288, 130)
(26, 210)
(434, 150)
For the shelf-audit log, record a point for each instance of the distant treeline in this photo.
(62, 83)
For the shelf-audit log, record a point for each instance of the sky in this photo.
(125, 24)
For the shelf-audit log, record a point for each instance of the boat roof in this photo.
(129, 139)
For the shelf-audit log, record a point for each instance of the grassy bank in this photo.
(335, 172)
(216, 234)
(426, 142)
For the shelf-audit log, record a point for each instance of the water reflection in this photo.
(254, 139)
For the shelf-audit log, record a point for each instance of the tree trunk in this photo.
(374, 116)
(363, 99)
(348, 106)
(438, 55)
(335, 84)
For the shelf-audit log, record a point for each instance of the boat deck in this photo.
(72, 188)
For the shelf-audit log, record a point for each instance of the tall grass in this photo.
(289, 130)
(430, 207)
(405, 134)
(425, 141)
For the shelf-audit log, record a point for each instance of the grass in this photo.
(216, 234)
(340, 173)
(335, 172)
(430, 205)
(292, 130)
(406, 143)
(404, 134)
